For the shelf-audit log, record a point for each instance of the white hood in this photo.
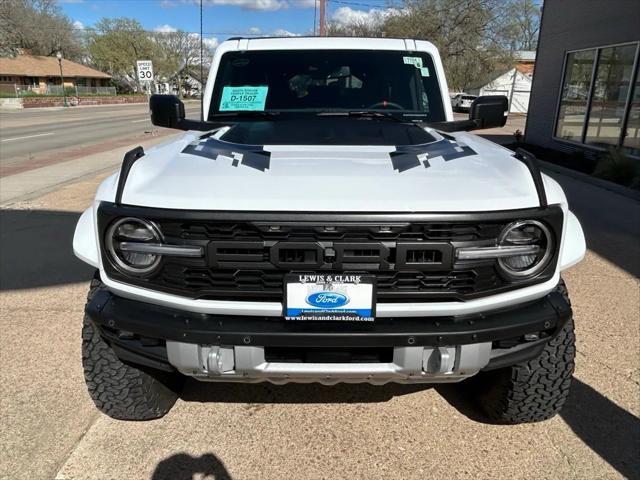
(330, 179)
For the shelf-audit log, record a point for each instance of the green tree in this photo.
(39, 27)
(115, 44)
(175, 54)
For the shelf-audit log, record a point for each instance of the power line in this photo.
(92, 29)
(358, 4)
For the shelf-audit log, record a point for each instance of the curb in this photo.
(598, 182)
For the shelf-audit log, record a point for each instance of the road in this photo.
(34, 138)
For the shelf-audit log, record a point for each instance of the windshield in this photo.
(320, 81)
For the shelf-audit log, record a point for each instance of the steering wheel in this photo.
(385, 104)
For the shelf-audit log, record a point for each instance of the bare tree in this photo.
(39, 27)
(475, 37)
(522, 24)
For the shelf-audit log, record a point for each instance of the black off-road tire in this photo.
(120, 390)
(531, 391)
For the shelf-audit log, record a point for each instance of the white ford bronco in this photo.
(329, 221)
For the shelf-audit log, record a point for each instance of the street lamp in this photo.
(64, 94)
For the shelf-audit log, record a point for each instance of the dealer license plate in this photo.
(329, 297)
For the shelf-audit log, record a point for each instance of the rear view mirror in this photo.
(166, 111)
(489, 111)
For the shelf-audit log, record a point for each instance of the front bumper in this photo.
(240, 348)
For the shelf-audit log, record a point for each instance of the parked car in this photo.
(462, 102)
(329, 222)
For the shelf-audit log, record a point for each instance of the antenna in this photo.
(323, 7)
(315, 18)
(202, 84)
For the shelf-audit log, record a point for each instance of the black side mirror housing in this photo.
(166, 111)
(489, 111)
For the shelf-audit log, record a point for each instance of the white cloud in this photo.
(265, 5)
(168, 4)
(78, 25)
(268, 5)
(281, 32)
(348, 15)
(304, 3)
(255, 31)
(166, 28)
(211, 43)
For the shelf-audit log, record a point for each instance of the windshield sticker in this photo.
(415, 61)
(253, 156)
(424, 71)
(243, 98)
(407, 157)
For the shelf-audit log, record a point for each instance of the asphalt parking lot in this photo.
(50, 429)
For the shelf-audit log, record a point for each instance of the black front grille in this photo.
(249, 260)
(247, 231)
(392, 286)
(247, 254)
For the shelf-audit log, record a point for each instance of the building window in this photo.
(596, 99)
(610, 91)
(632, 139)
(575, 94)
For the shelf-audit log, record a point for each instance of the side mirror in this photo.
(166, 111)
(489, 111)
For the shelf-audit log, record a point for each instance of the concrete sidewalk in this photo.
(50, 428)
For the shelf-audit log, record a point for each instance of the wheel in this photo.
(120, 390)
(531, 391)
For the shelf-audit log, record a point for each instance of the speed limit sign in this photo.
(145, 70)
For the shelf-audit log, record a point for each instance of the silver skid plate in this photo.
(409, 365)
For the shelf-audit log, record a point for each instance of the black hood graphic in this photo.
(405, 156)
(253, 156)
(409, 156)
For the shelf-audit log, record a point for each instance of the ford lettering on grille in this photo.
(327, 299)
(329, 255)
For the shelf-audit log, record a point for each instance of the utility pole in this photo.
(201, 68)
(323, 11)
(64, 94)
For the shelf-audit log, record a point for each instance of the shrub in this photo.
(618, 167)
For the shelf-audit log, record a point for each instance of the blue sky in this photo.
(222, 18)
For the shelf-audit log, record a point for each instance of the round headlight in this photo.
(127, 231)
(526, 233)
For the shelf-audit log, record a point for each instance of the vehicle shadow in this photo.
(611, 222)
(36, 249)
(182, 466)
(294, 393)
(609, 430)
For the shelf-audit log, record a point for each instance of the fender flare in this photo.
(85, 245)
(574, 246)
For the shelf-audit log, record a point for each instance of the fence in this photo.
(54, 90)
(79, 90)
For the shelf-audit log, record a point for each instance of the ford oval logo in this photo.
(327, 299)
